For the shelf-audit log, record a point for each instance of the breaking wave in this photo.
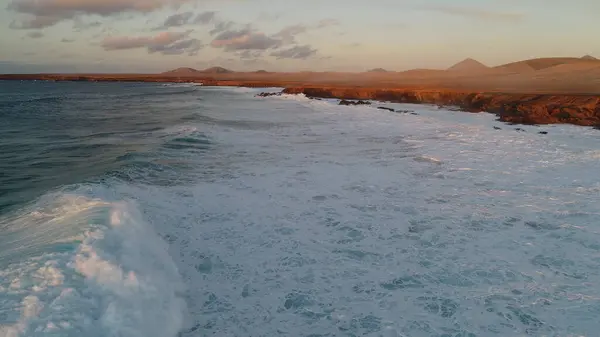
(88, 267)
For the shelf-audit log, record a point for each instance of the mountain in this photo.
(377, 70)
(469, 65)
(182, 72)
(515, 68)
(542, 63)
(589, 58)
(217, 70)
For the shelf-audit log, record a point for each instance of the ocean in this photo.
(159, 210)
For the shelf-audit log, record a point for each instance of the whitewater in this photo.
(181, 210)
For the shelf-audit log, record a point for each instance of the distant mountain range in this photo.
(466, 67)
(194, 72)
(470, 65)
(562, 75)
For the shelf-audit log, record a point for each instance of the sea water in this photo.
(181, 210)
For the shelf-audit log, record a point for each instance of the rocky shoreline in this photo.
(532, 109)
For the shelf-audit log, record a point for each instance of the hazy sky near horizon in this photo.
(287, 35)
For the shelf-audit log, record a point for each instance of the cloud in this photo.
(35, 35)
(230, 35)
(288, 34)
(475, 13)
(45, 13)
(178, 20)
(166, 43)
(189, 46)
(244, 39)
(65, 40)
(221, 26)
(249, 54)
(297, 52)
(205, 18)
(126, 42)
(187, 18)
(36, 22)
(248, 38)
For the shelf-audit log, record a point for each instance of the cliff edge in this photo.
(513, 108)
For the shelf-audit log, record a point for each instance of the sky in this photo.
(148, 36)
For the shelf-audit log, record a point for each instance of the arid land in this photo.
(537, 91)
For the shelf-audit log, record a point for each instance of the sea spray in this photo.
(117, 280)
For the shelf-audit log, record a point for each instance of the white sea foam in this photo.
(118, 280)
(181, 85)
(353, 220)
(311, 218)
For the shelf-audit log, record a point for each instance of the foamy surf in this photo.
(93, 268)
(294, 216)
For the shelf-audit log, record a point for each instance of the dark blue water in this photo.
(56, 134)
(150, 210)
(70, 156)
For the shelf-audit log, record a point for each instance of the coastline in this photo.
(528, 109)
(532, 107)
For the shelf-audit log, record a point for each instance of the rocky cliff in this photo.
(513, 108)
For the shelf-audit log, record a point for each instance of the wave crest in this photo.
(117, 278)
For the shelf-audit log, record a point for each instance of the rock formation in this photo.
(347, 102)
